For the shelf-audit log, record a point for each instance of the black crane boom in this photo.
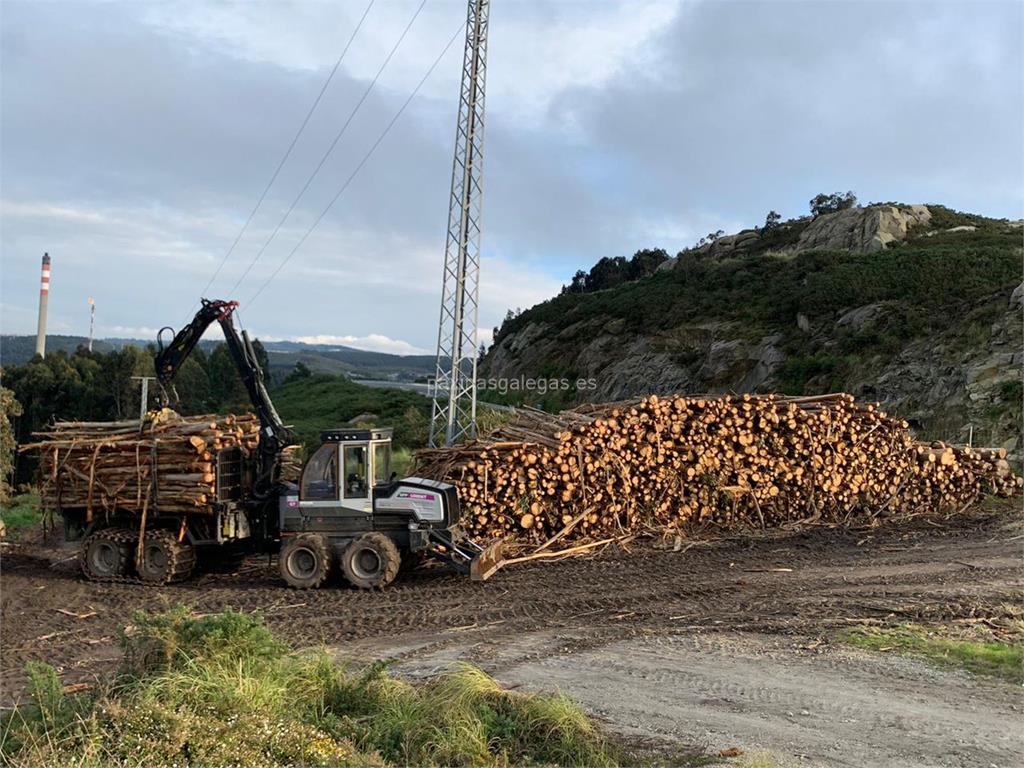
(274, 435)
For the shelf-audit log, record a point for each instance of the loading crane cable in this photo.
(360, 165)
(330, 149)
(288, 152)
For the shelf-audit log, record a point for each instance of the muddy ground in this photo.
(726, 642)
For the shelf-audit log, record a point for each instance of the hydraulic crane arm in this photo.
(274, 435)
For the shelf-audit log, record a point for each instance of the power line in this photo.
(330, 149)
(291, 146)
(359, 167)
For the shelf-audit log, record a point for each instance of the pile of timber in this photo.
(669, 463)
(168, 463)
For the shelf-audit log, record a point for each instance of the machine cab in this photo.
(344, 470)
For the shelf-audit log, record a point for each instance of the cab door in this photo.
(355, 460)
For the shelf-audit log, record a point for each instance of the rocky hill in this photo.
(918, 307)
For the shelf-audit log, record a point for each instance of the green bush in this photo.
(798, 371)
(1012, 391)
(155, 641)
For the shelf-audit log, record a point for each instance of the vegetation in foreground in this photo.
(220, 690)
(21, 512)
(987, 657)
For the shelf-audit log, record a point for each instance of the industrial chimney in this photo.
(44, 297)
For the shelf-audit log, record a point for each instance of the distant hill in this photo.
(357, 363)
(15, 350)
(319, 358)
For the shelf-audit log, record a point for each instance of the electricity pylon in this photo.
(454, 408)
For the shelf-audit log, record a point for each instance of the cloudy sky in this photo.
(137, 137)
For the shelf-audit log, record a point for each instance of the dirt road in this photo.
(727, 642)
(836, 707)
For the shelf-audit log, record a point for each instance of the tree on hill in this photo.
(578, 284)
(646, 262)
(771, 222)
(821, 204)
(120, 390)
(10, 409)
(299, 371)
(611, 272)
(226, 385)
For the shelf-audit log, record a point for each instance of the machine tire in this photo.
(105, 556)
(305, 561)
(165, 559)
(371, 561)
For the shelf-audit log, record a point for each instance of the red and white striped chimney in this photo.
(44, 297)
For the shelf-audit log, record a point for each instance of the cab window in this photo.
(381, 463)
(320, 478)
(355, 472)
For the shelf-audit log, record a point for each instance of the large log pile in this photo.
(669, 463)
(168, 464)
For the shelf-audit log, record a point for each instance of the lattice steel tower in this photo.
(454, 410)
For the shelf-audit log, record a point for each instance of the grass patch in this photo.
(989, 658)
(221, 690)
(23, 512)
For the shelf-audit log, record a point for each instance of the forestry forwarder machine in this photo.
(348, 509)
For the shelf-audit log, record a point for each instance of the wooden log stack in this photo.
(168, 464)
(669, 463)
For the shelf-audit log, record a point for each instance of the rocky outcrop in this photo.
(862, 230)
(858, 230)
(709, 357)
(743, 240)
(1017, 297)
(953, 389)
(857, 319)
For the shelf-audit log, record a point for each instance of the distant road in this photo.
(423, 389)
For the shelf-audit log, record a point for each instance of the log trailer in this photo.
(347, 511)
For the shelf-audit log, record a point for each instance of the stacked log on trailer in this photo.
(169, 463)
(669, 463)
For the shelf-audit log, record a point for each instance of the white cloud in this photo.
(48, 212)
(141, 332)
(542, 50)
(536, 50)
(673, 233)
(374, 342)
(507, 285)
(97, 248)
